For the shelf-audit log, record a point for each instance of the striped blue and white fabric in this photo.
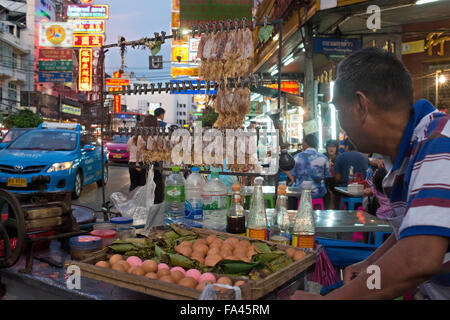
(418, 184)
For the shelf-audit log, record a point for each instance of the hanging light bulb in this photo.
(442, 79)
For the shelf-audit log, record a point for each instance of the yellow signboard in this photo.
(182, 52)
(413, 47)
(182, 71)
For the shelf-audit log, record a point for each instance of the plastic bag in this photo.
(209, 293)
(138, 203)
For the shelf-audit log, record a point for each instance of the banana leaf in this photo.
(132, 253)
(159, 252)
(121, 247)
(171, 235)
(257, 275)
(266, 257)
(279, 263)
(182, 232)
(180, 260)
(261, 247)
(185, 238)
(139, 242)
(234, 267)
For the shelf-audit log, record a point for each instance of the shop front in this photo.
(71, 111)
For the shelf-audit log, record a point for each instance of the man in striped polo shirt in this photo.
(374, 97)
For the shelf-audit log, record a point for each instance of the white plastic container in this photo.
(193, 188)
(215, 203)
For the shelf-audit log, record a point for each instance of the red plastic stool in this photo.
(315, 203)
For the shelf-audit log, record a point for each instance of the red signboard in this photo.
(55, 54)
(117, 82)
(85, 70)
(88, 40)
(287, 86)
(114, 89)
(88, 26)
(117, 102)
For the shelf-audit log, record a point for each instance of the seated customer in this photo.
(350, 158)
(310, 165)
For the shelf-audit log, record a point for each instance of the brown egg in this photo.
(227, 246)
(299, 255)
(115, 258)
(232, 258)
(226, 253)
(199, 241)
(201, 248)
(152, 275)
(163, 272)
(186, 243)
(290, 252)
(214, 250)
(245, 243)
(234, 241)
(188, 282)
(210, 239)
(103, 264)
(176, 275)
(241, 255)
(211, 260)
(149, 266)
(137, 271)
(216, 243)
(229, 241)
(239, 283)
(184, 250)
(167, 279)
(201, 286)
(118, 267)
(223, 280)
(124, 264)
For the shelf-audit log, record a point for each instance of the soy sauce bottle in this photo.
(235, 215)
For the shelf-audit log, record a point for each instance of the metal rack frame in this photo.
(195, 30)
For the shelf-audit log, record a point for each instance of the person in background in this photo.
(151, 121)
(159, 114)
(135, 146)
(374, 96)
(332, 148)
(381, 207)
(350, 158)
(310, 165)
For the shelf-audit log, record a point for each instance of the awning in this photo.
(272, 93)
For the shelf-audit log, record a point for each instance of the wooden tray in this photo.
(252, 290)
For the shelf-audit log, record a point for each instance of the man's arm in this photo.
(289, 175)
(410, 262)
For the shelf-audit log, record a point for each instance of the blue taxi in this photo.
(69, 156)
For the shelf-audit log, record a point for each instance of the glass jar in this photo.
(122, 222)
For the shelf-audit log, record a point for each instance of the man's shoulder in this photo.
(439, 125)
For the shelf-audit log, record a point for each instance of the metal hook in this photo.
(167, 87)
(207, 29)
(163, 35)
(214, 27)
(244, 23)
(208, 86)
(191, 86)
(184, 86)
(236, 24)
(159, 87)
(174, 34)
(152, 86)
(221, 25)
(145, 88)
(266, 17)
(229, 25)
(128, 89)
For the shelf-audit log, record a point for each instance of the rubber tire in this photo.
(74, 194)
(101, 183)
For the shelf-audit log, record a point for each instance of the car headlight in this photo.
(60, 166)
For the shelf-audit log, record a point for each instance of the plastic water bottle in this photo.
(194, 201)
(174, 196)
(215, 203)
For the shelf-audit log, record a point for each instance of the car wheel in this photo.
(78, 185)
(105, 176)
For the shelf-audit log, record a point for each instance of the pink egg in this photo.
(193, 273)
(179, 269)
(207, 276)
(162, 266)
(134, 261)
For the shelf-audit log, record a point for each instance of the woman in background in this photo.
(332, 148)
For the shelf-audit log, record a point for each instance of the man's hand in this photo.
(368, 192)
(303, 295)
(351, 272)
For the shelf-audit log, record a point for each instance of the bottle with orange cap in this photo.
(235, 215)
(280, 224)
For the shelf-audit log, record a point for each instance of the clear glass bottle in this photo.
(235, 215)
(279, 224)
(303, 233)
(257, 218)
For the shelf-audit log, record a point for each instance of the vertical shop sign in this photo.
(117, 103)
(85, 70)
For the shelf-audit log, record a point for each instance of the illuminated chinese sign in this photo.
(435, 39)
(88, 26)
(117, 82)
(114, 89)
(182, 71)
(287, 86)
(85, 69)
(117, 102)
(88, 40)
(95, 11)
(182, 52)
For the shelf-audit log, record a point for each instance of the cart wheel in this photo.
(12, 227)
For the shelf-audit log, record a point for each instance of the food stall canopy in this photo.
(273, 93)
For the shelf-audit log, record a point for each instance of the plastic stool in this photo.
(315, 203)
(379, 237)
(269, 202)
(350, 202)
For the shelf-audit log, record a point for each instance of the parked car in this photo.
(69, 156)
(117, 149)
(12, 135)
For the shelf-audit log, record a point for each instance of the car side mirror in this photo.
(88, 147)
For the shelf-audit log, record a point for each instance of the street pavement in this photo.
(119, 181)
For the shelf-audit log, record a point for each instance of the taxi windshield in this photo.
(119, 139)
(13, 134)
(46, 140)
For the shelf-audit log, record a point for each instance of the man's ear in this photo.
(362, 106)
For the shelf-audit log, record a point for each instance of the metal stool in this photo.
(351, 203)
